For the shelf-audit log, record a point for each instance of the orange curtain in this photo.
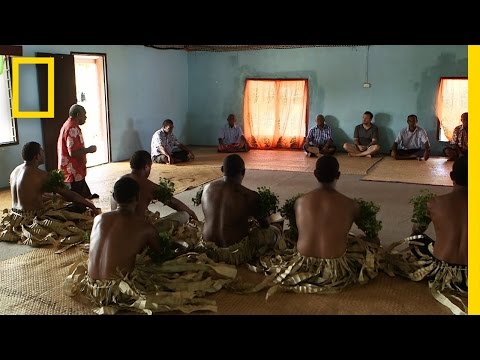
(452, 101)
(275, 113)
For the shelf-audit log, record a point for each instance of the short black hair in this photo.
(167, 122)
(369, 114)
(460, 171)
(140, 159)
(76, 110)
(30, 150)
(326, 170)
(125, 190)
(414, 116)
(233, 165)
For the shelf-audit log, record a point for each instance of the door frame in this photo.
(107, 105)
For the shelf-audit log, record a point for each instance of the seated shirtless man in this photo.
(141, 166)
(119, 235)
(327, 258)
(114, 278)
(443, 261)
(28, 184)
(228, 206)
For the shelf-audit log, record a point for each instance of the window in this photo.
(8, 125)
(452, 102)
(275, 113)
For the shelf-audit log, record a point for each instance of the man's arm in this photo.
(355, 139)
(310, 136)
(184, 148)
(178, 205)
(77, 198)
(261, 218)
(427, 150)
(375, 137)
(82, 152)
(153, 241)
(394, 149)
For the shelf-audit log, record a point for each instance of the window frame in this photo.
(8, 51)
(439, 125)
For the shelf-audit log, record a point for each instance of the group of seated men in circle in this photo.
(411, 142)
(234, 230)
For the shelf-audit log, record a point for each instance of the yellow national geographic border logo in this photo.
(16, 62)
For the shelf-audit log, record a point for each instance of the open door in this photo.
(65, 96)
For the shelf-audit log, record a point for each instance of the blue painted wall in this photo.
(145, 87)
(197, 90)
(404, 81)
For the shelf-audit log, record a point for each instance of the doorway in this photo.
(91, 91)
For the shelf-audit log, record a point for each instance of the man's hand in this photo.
(192, 215)
(393, 154)
(426, 155)
(191, 156)
(170, 160)
(362, 148)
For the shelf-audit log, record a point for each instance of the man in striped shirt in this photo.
(319, 139)
(459, 144)
(411, 142)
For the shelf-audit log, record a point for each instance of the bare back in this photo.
(227, 207)
(26, 186)
(449, 214)
(324, 218)
(115, 241)
(145, 197)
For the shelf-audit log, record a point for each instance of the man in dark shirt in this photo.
(365, 138)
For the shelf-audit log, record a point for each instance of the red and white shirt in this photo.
(69, 140)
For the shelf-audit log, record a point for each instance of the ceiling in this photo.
(233, 47)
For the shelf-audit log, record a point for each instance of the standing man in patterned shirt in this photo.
(231, 138)
(319, 139)
(459, 144)
(72, 153)
(411, 142)
(166, 149)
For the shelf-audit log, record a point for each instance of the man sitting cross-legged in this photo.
(365, 138)
(319, 139)
(141, 166)
(231, 138)
(228, 206)
(117, 277)
(35, 221)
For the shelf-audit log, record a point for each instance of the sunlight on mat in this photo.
(297, 161)
(434, 171)
(102, 178)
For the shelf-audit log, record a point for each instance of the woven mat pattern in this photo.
(434, 171)
(32, 284)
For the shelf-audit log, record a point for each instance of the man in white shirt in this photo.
(411, 142)
(231, 138)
